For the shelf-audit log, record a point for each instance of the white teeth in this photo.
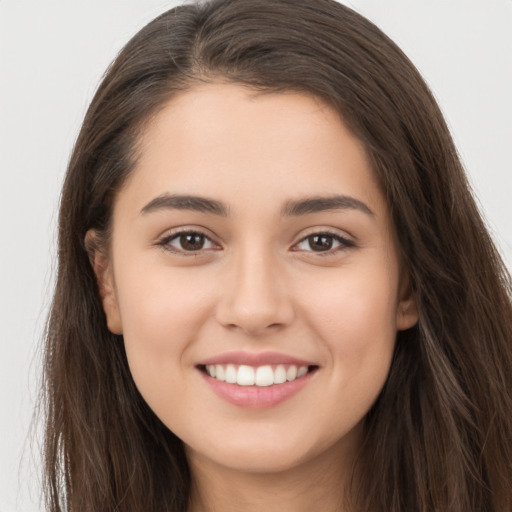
(302, 371)
(280, 375)
(291, 373)
(231, 376)
(245, 375)
(261, 376)
(219, 372)
(264, 376)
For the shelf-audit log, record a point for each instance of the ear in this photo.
(407, 313)
(103, 270)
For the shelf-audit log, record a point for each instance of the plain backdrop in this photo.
(52, 56)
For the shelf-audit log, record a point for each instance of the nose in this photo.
(255, 298)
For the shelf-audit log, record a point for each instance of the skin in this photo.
(257, 284)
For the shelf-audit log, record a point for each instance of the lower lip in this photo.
(257, 397)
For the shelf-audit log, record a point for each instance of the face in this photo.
(253, 273)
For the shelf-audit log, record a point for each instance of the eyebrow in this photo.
(323, 204)
(291, 208)
(184, 202)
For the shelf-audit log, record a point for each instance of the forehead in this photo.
(231, 141)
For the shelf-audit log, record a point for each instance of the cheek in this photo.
(359, 304)
(162, 313)
(356, 322)
(157, 304)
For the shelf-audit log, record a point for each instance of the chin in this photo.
(253, 459)
(270, 454)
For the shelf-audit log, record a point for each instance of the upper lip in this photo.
(254, 359)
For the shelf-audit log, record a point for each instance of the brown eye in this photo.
(191, 241)
(188, 241)
(323, 242)
(320, 242)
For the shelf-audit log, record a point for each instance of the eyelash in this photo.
(344, 243)
(165, 243)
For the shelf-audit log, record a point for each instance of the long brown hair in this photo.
(439, 437)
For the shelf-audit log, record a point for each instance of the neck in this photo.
(321, 483)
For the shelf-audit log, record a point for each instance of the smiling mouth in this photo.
(256, 376)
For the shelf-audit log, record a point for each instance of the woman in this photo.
(275, 290)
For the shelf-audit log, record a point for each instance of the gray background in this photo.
(52, 56)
